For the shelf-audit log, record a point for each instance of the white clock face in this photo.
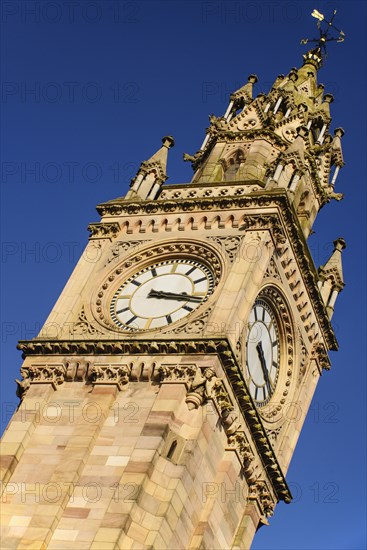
(263, 352)
(161, 294)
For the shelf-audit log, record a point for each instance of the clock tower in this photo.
(161, 403)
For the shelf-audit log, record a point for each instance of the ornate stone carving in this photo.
(83, 326)
(259, 492)
(242, 202)
(270, 222)
(230, 245)
(303, 360)
(319, 353)
(110, 375)
(177, 373)
(103, 230)
(273, 434)
(238, 441)
(196, 326)
(201, 388)
(24, 384)
(53, 374)
(272, 270)
(120, 247)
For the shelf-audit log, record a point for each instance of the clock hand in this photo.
(260, 351)
(172, 295)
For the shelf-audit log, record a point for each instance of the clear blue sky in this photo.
(109, 79)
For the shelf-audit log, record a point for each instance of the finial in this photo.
(252, 78)
(168, 141)
(325, 36)
(340, 244)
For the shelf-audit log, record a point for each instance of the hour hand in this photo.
(173, 296)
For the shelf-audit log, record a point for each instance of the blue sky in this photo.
(89, 89)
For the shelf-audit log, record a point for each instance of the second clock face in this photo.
(263, 352)
(161, 294)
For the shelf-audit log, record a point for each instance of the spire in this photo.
(331, 280)
(152, 173)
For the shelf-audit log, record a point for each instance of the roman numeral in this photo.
(200, 280)
(256, 392)
(169, 319)
(274, 343)
(154, 273)
(136, 283)
(275, 364)
(263, 315)
(255, 313)
(190, 270)
(188, 308)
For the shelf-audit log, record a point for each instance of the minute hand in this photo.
(260, 351)
(173, 296)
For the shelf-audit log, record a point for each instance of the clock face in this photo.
(263, 352)
(161, 294)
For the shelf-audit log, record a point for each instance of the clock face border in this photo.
(271, 410)
(132, 311)
(262, 352)
(141, 257)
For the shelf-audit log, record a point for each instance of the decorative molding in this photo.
(259, 492)
(83, 327)
(303, 359)
(273, 434)
(196, 326)
(107, 374)
(261, 222)
(272, 270)
(220, 348)
(230, 245)
(53, 374)
(104, 230)
(264, 199)
(320, 355)
(121, 247)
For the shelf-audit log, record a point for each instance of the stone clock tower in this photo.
(162, 401)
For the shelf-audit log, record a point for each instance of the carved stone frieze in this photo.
(259, 491)
(108, 374)
(229, 244)
(53, 374)
(104, 230)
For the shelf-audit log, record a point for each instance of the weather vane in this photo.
(325, 34)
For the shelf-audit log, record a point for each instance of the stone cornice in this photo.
(219, 347)
(262, 199)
